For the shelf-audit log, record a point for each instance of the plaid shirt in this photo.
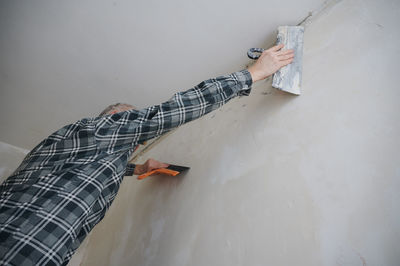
(65, 185)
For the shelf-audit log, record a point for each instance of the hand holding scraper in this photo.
(153, 167)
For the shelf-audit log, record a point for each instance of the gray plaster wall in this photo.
(10, 158)
(64, 60)
(277, 179)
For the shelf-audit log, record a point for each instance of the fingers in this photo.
(285, 57)
(285, 62)
(164, 165)
(275, 48)
(281, 54)
(152, 164)
(285, 52)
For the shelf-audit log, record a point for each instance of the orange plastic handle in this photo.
(159, 171)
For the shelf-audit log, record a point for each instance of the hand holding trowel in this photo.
(153, 167)
(289, 40)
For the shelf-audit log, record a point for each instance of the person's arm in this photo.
(122, 130)
(191, 104)
(213, 93)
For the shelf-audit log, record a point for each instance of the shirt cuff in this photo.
(130, 168)
(244, 78)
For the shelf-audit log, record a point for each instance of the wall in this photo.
(277, 179)
(10, 158)
(64, 60)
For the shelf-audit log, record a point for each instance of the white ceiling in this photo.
(64, 60)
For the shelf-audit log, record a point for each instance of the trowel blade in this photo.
(178, 168)
(288, 78)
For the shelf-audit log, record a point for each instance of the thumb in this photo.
(154, 164)
(163, 165)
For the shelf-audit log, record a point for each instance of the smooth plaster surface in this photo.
(277, 179)
(10, 158)
(64, 60)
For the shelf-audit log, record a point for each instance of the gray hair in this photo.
(118, 107)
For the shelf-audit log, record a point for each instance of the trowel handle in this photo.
(254, 53)
(164, 171)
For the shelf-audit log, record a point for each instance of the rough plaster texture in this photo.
(277, 179)
(64, 60)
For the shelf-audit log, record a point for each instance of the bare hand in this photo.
(270, 61)
(148, 166)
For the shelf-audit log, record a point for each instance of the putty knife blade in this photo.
(288, 78)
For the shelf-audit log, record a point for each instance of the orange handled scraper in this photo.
(171, 170)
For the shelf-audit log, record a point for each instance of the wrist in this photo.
(138, 169)
(254, 74)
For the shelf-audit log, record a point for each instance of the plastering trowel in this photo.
(288, 78)
(171, 170)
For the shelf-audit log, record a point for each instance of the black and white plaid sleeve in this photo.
(66, 184)
(134, 127)
(194, 103)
